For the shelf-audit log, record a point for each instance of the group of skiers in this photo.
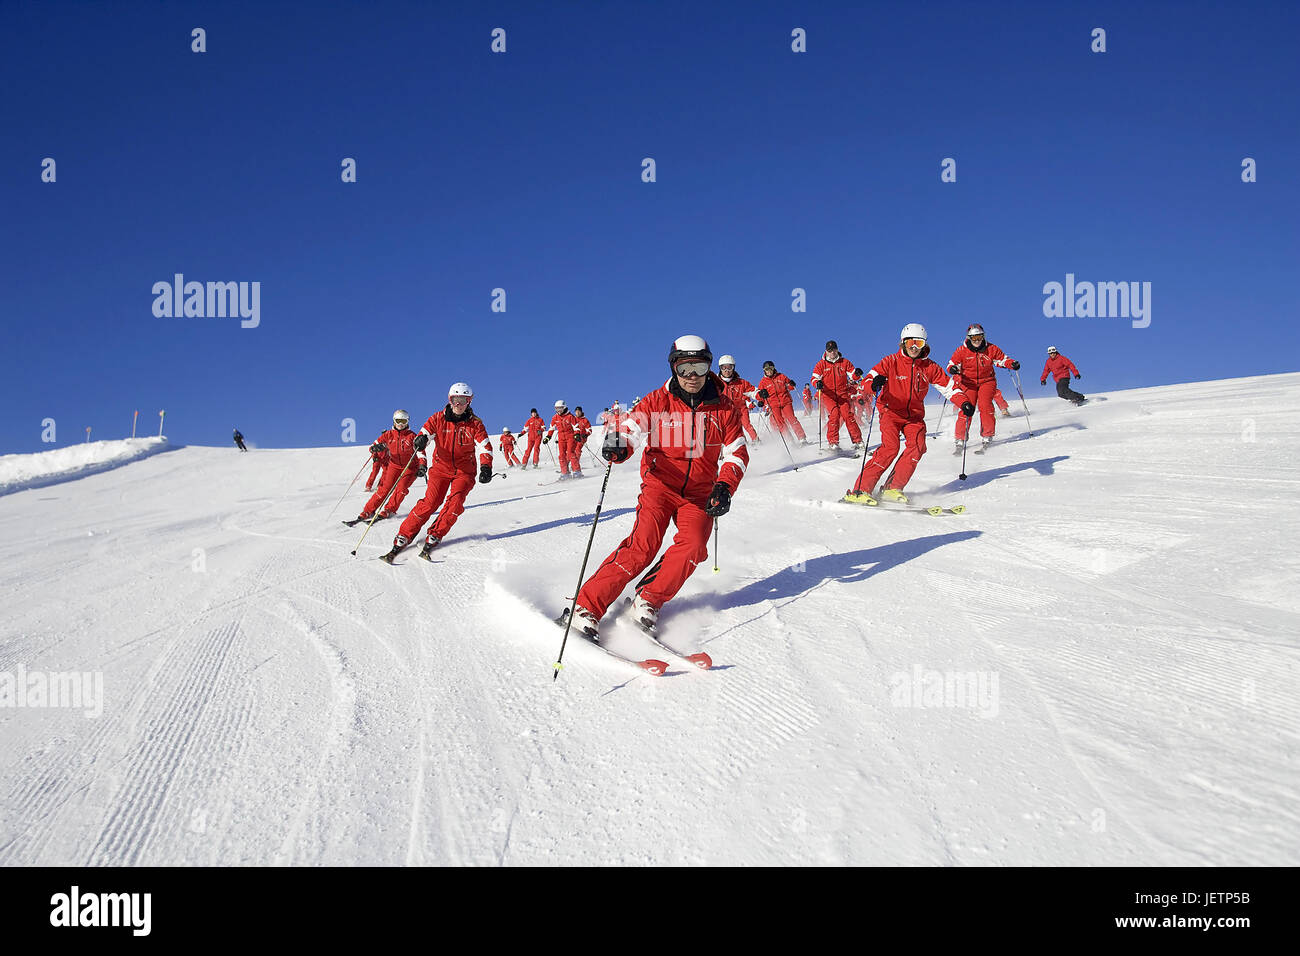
(694, 432)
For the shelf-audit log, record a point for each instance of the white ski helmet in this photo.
(689, 347)
(1051, 350)
(460, 390)
(727, 360)
(559, 403)
(913, 330)
(975, 329)
(505, 431)
(401, 419)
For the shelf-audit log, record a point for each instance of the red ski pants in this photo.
(393, 469)
(378, 467)
(891, 427)
(454, 486)
(982, 396)
(783, 420)
(511, 459)
(655, 509)
(835, 410)
(745, 423)
(534, 448)
(566, 454)
(998, 400)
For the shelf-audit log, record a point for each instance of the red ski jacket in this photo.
(908, 380)
(534, 426)
(562, 425)
(1059, 366)
(688, 450)
(460, 445)
(778, 388)
(737, 389)
(977, 365)
(581, 428)
(836, 377)
(507, 442)
(400, 446)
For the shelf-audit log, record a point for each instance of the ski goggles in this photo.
(458, 400)
(692, 369)
(919, 343)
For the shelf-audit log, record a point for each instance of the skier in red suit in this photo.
(460, 447)
(534, 427)
(380, 459)
(581, 432)
(508, 448)
(397, 447)
(974, 366)
(1060, 367)
(738, 390)
(562, 431)
(694, 459)
(774, 390)
(833, 378)
(807, 399)
(901, 381)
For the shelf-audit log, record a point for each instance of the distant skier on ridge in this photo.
(1061, 367)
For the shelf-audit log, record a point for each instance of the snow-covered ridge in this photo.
(75, 461)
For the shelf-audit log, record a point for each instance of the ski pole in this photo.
(939, 424)
(781, 434)
(819, 422)
(609, 466)
(1016, 376)
(345, 494)
(870, 421)
(384, 502)
(716, 522)
(962, 476)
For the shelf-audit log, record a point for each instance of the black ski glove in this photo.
(1078, 376)
(858, 372)
(376, 448)
(616, 449)
(719, 501)
(484, 474)
(546, 440)
(421, 441)
(1042, 381)
(953, 368)
(817, 386)
(423, 469)
(1015, 366)
(878, 383)
(967, 409)
(762, 395)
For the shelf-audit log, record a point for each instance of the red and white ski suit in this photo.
(380, 460)
(807, 400)
(687, 451)
(837, 379)
(738, 390)
(977, 377)
(460, 445)
(900, 408)
(778, 388)
(534, 427)
(562, 429)
(399, 448)
(508, 448)
(581, 432)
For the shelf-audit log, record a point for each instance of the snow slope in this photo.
(1096, 665)
(73, 461)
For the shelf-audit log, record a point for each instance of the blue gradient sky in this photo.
(522, 171)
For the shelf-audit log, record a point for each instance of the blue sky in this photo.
(522, 170)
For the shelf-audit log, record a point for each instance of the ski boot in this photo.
(645, 614)
(858, 498)
(400, 542)
(583, 620)
(429, 544)
(894, 494)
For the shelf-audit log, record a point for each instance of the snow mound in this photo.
(19, 472)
